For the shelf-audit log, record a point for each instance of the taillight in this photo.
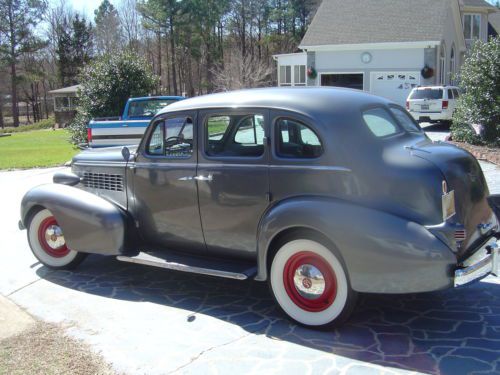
(445, 104)
(408, 104)
(89, 135)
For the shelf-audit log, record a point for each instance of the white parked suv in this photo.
(432, 103)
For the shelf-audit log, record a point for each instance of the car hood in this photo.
(107, 155)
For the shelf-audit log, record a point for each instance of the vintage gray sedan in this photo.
(322, 192)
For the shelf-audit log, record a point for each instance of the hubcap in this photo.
(310, 281)
(54, 237)
(51, 238)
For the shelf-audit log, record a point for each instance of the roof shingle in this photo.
(377, 21)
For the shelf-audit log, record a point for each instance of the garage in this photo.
(395, 86)
(346, 80)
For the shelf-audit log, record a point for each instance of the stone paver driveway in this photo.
(153, 321)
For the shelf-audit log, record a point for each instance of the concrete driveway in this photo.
(151, 321)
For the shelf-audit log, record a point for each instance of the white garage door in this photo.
(394, 85)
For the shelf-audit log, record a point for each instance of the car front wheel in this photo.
(310, 284)
(47, 242)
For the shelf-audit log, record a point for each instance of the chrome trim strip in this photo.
(149, 260)
(101, 164)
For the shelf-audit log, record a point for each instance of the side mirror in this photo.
(126, 153)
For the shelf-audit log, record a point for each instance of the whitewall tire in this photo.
(310, 284)
(47, 242)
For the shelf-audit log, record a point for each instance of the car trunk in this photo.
(426, 101)
(426, 105)
(464, 176)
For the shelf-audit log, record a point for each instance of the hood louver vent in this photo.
(104, 181)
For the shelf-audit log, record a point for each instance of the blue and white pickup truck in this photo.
(128, 128)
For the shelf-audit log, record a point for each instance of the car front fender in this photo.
(383, 253)
(90, 224)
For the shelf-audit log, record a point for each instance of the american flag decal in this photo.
(460, 234)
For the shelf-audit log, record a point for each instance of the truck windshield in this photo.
(427, 94)
(147, 108)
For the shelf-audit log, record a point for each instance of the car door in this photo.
(233, 178)
(165, 199)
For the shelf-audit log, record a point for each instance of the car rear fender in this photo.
(90, 224)
(383, 253)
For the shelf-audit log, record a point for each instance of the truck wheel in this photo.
(310, 285)
(47, 242)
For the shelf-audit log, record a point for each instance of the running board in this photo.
(191, 263)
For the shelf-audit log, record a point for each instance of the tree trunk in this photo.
(172, 56)
(159, 57)
(45, 100)
(15, 109)
(27, 112)
(13, 72)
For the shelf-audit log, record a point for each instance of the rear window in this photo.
(380, 122)
(405, 120)
(427, 94)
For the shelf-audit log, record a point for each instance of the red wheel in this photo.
(47, 242)
(310, 284)
(310, 281)
(51, 238)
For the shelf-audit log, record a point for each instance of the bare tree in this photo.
(131, 23)
(242, 72)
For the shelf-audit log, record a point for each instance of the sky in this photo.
(87, 6)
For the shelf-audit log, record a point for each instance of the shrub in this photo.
(480, 101)
(107, 84)
(42, 124)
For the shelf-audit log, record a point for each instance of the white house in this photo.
(385, 47)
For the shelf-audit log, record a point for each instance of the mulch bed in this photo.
(481, 152)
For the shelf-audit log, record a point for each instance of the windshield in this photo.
(427, 94)
(147, 108)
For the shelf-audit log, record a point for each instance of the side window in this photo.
(405, 120)
(450, 94)
(380, 122)
(250, 130)
(296, 140)
(456, 93)
(235, 135)
(172, 138)
(217, 127)
(179, 137)
(155, 144)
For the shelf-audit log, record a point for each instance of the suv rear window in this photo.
(427, 94)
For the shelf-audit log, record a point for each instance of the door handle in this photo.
(204, 178)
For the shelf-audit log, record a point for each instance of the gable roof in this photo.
(66, 90)
(494, 20)
(476, 3)
(382, 21)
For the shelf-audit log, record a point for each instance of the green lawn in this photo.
(41, 148)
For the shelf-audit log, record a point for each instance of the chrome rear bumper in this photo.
(483, 262)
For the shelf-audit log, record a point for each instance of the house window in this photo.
(285, 75)
(299, 75)
(472, 26)
(442, 64)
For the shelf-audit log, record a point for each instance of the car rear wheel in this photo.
(47, 242)
(310, 284)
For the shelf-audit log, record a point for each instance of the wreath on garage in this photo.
(427, 72)
(311, 72)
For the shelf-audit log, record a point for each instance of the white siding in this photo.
(409, 59)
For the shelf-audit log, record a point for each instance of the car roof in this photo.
(435, 87)
(305, 100)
